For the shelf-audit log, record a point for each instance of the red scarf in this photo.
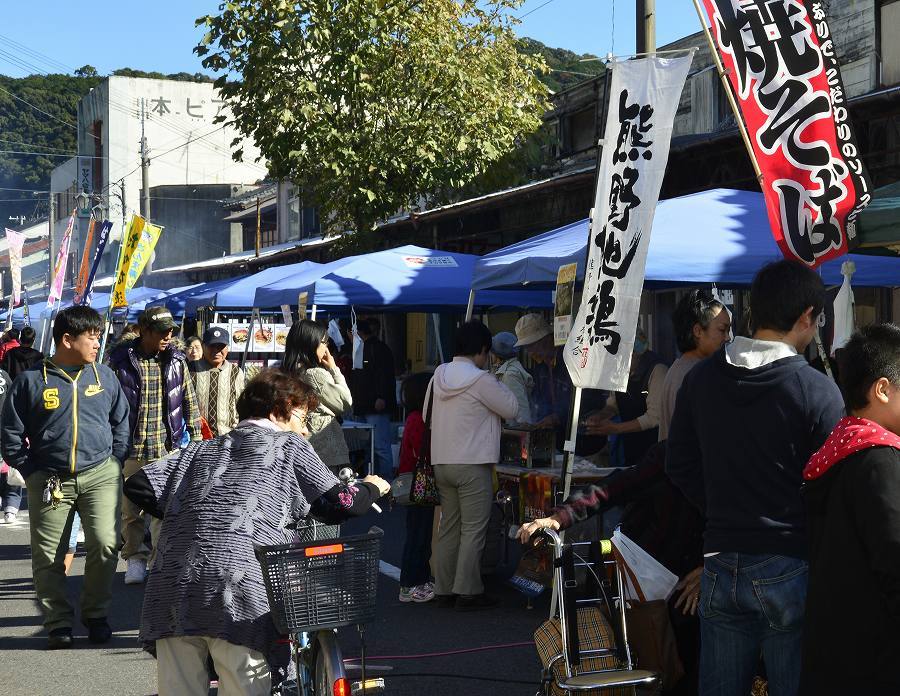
(849, 436)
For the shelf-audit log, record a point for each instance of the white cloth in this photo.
(469, 404)
(751, 353)
(674, 377)
(844, 320)
(181, 667)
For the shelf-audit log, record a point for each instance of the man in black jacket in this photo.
(851, 638)
(374, 391)
(19, 359)
(65, 428)
(746, 422)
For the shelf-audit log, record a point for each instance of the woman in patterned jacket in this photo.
(218, 499)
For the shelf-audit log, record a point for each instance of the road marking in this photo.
(385, 568)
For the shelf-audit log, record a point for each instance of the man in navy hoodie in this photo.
(746, 422)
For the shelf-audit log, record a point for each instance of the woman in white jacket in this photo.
(467, 407)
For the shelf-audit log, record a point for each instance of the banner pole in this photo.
(726, 85)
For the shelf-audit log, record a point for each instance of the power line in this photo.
(46, 147)
(523, 16)
(49, 154)
(65, 123)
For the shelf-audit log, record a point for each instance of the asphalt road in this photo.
(400, 633)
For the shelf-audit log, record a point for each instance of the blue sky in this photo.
(160, 35)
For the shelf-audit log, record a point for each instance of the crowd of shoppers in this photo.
(769, 491)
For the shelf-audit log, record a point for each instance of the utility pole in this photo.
(145, 183)
(50, 225)
(645, 26)
(258, 232)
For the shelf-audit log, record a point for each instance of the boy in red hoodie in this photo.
(851, 637)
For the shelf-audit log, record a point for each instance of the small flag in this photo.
(81, 282)
(15, 240)
(102, 240)
(62, 257)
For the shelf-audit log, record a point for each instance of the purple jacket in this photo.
(124, 363)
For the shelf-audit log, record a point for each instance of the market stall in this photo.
(718, 236)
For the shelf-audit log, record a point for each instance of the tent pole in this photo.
(312, 312)
(470, 307)
(437, 335)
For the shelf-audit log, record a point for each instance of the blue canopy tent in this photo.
(176, 300)
(240, 292)
(408, 278)
(719, 236)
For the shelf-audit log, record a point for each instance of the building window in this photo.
(268, 235)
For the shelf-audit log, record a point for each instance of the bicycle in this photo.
(316, 586)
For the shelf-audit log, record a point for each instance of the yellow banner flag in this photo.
(146, 244)
(130, 239)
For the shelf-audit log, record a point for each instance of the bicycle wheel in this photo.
(328, 666)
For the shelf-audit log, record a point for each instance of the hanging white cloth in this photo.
(844, 324)
(357, 342)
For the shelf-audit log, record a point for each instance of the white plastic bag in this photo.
(334, 333)
(357, 343)
(14, 478)
(646, 579)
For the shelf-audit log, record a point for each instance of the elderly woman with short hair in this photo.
(219, 499)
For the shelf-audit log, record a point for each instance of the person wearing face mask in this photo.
(217, 382)
(307, 356)
(638, 407)
(218, 500)
(465, 406)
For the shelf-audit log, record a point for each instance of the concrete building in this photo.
(186, 148)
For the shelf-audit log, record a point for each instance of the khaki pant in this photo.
(181, 667)
(466, 492)
(95, 495)
(133, 524)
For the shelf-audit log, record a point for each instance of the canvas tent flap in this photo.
(717, 236)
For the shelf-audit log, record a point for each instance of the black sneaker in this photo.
(99, 631)
(59, 639)
(476, 602)
(445, 601)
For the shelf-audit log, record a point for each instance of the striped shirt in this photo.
(217, 390)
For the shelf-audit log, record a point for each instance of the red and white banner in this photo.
(781, 60)
(15, 240)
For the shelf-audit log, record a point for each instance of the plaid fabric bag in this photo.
(594, 632)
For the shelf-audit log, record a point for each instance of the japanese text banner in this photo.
(643, 98)
(130, 238)
(782, 64)
(15, 241)
(138, 245)
(102, 240)
(62, 257)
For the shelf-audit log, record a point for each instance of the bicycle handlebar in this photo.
(348, 477)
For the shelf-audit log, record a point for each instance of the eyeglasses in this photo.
(304, 419)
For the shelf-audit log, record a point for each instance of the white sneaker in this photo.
(136, 572)
(10, 517)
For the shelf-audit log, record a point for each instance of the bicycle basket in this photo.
(322, 584)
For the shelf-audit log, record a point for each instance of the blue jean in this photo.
(751, 606)
(414, 568)
(10, 496)
(384, 456)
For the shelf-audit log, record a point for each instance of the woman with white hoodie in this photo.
(467, 405)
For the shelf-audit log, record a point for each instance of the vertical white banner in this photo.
(15, 242)
(643, 99)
